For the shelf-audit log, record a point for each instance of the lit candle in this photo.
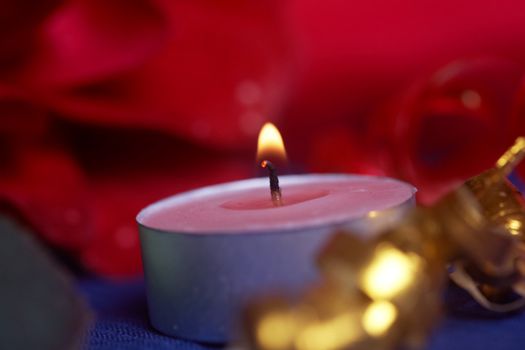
(207, 251)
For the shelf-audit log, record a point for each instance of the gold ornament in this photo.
(385, 292)
(374, 294)
(492, 268)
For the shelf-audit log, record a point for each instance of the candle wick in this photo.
(274, 183)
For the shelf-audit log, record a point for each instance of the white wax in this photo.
(207, 252)
(246, 206)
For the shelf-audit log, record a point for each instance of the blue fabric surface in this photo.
(121, 319)
(122, 322)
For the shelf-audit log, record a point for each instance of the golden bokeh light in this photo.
(333, 334)
(276, 331)
(389, 272)
(379, 317)
(513, 226)
(373, 214)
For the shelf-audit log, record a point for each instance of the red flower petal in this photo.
(19, 21)
(87, 40)
(210, 81)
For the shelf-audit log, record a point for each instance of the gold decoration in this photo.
(510, 159)
(325, 319)
(492, 268)
(385, 292)
(375, 294)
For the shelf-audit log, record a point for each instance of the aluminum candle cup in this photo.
(208, 251)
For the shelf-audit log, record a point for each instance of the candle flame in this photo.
(270, 145)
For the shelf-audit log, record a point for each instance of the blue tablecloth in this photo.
(122, 322)
(121, 318)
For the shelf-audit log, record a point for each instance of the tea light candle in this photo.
(207, 251)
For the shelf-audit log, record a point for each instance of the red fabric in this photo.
(107, 106)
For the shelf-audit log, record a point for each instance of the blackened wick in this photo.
(274, 182)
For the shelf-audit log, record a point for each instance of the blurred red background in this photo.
(106, 106)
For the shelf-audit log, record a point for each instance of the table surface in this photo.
(122, 323)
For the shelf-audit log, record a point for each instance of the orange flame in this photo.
(270, 145)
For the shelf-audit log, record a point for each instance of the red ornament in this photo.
(449, 127)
